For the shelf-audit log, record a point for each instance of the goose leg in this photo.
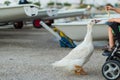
(83, 72)
(79, 70)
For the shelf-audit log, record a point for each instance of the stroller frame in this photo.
(111, 67)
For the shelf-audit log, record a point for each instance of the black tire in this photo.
(111, 70)
(36, 23)
(18, 25)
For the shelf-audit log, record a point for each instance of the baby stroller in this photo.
(111, 67)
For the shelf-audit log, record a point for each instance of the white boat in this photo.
(76, 30)
(13, 13)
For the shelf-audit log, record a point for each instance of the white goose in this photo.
(75, 60)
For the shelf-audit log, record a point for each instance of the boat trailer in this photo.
(64, 40)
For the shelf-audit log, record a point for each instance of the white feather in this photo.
(79, 55)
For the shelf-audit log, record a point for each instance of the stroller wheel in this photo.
(111, 70)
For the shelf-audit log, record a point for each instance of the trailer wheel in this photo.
(36, 23)
(18, 25)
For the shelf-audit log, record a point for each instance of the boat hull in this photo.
(19, 12)
(77, 31)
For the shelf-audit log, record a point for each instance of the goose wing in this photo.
(80, 52)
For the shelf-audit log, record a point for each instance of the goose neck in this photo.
(88, 36)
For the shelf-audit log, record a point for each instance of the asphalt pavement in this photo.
(27, 54)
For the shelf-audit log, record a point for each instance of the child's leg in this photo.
(111, 37)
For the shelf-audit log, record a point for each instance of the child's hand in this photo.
(108, 8)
